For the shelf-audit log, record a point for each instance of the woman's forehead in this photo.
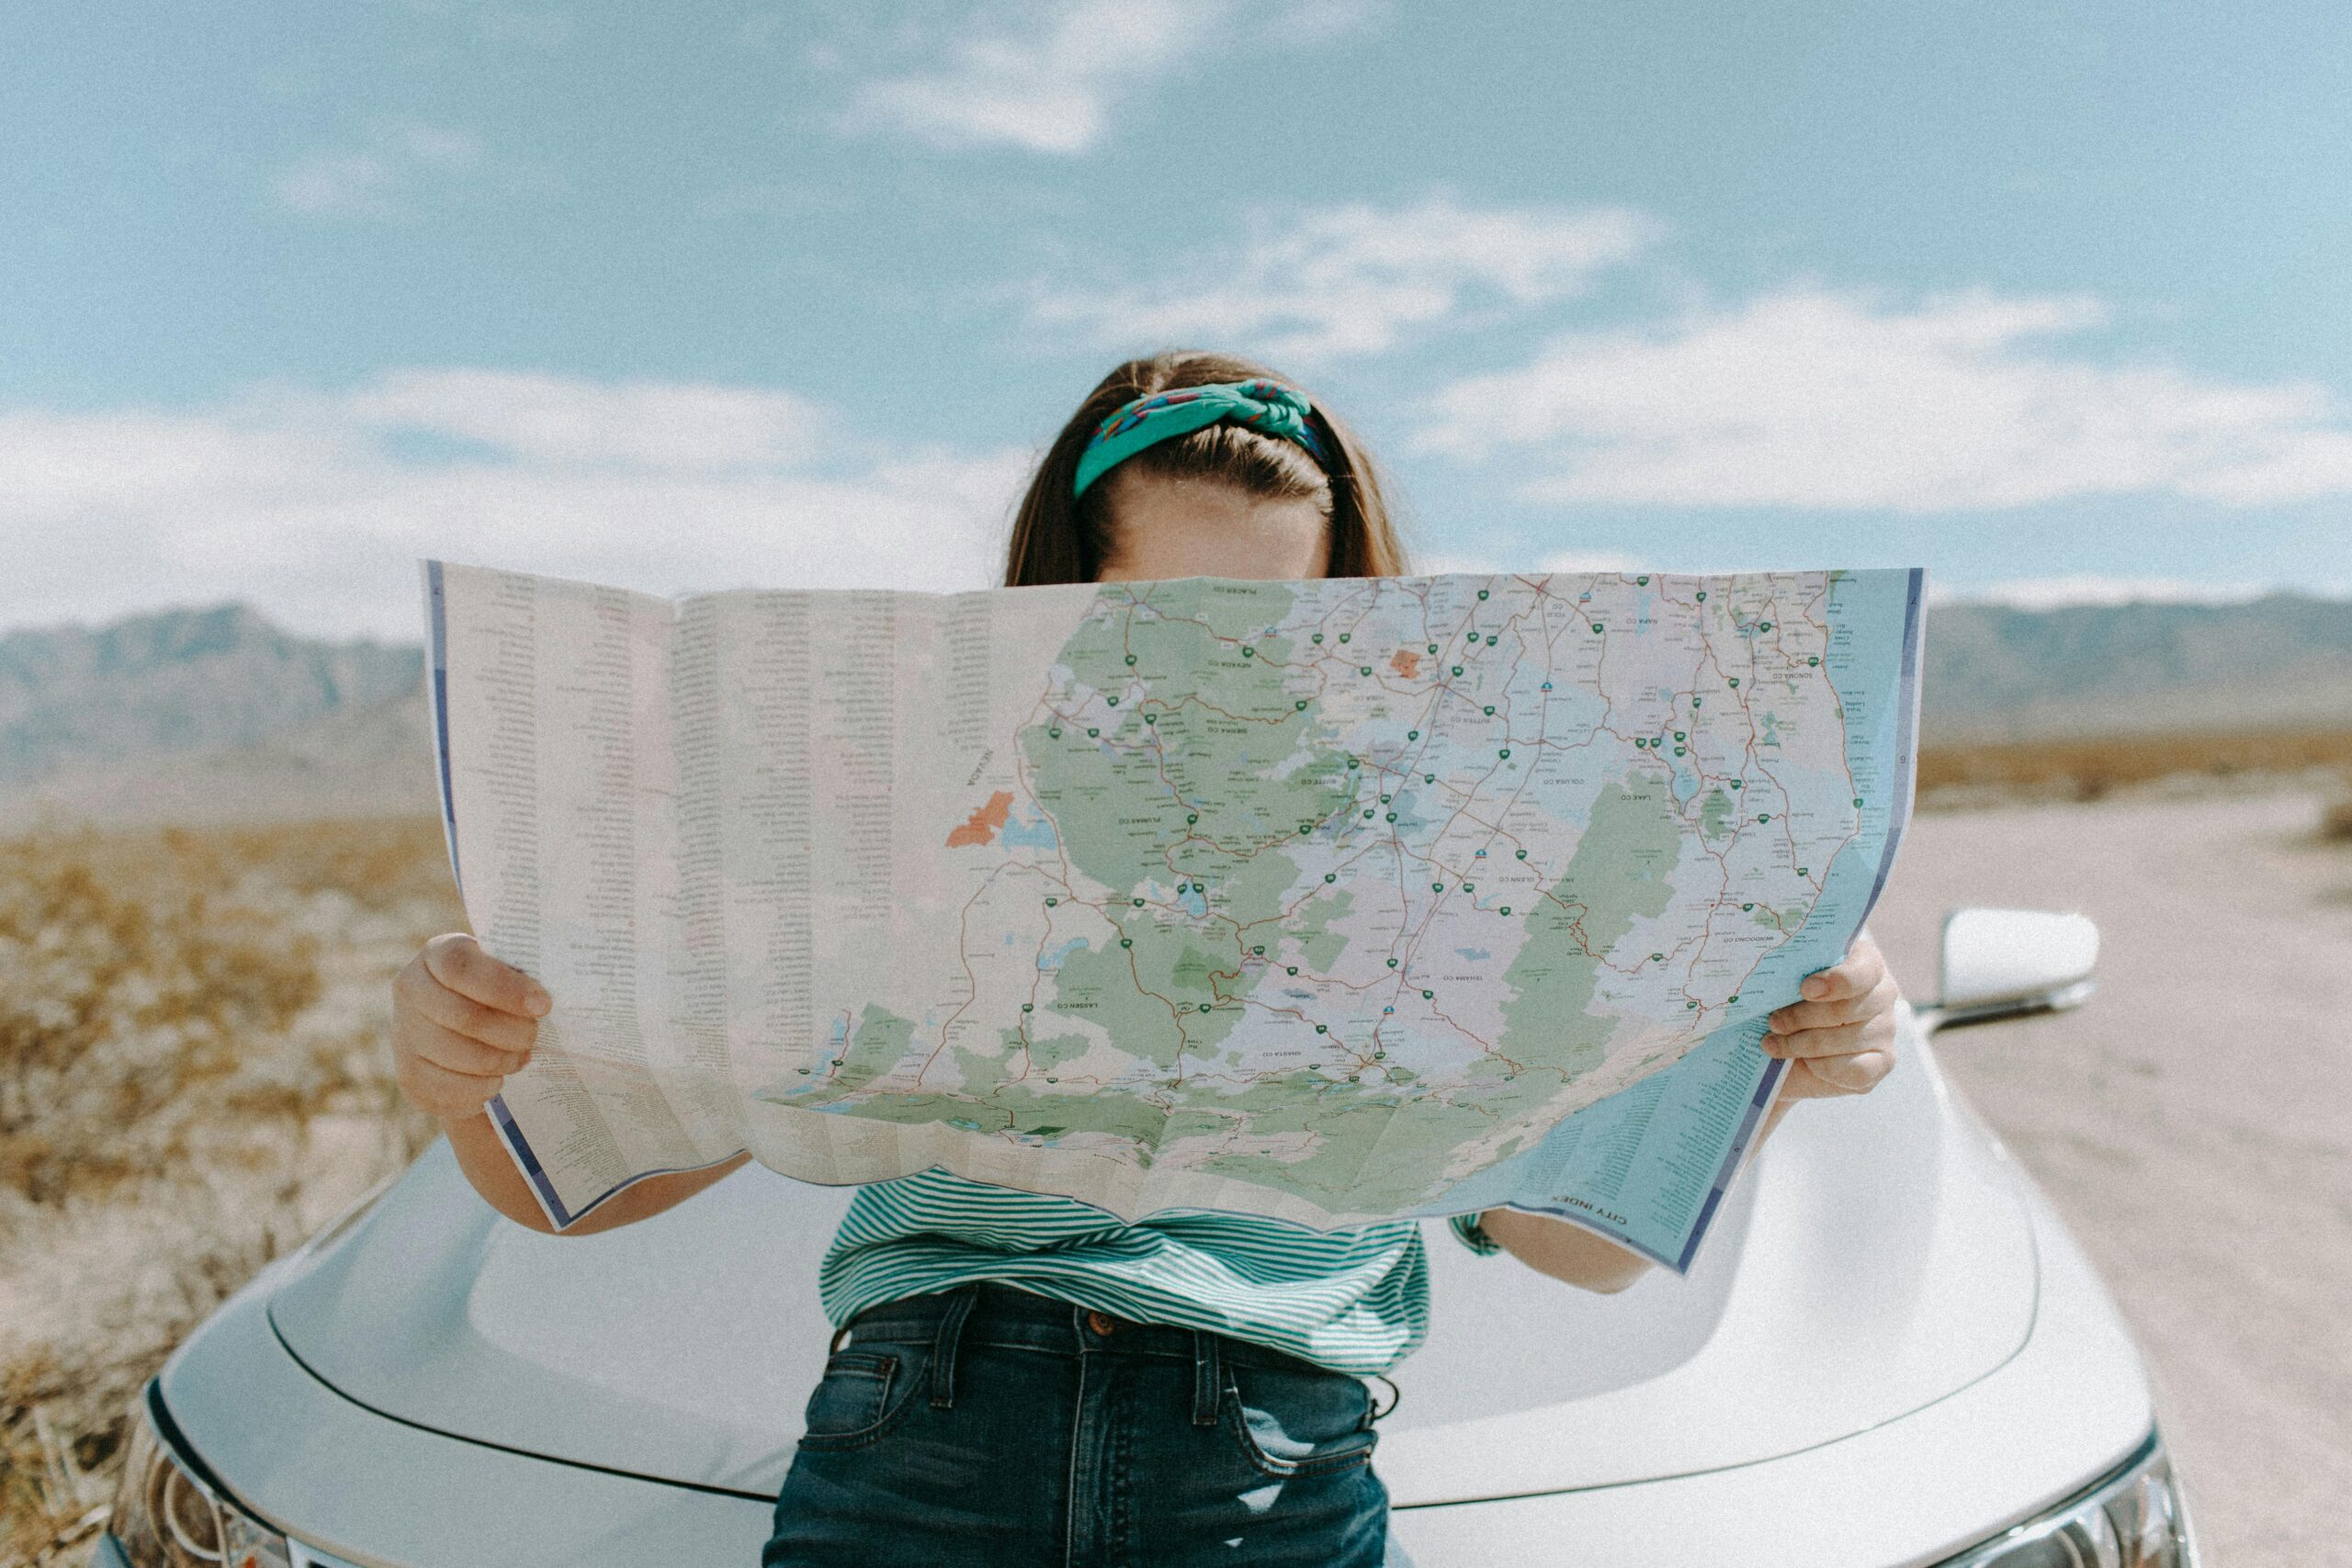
(1175, 528)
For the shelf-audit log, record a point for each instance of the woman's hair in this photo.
(1060, 538)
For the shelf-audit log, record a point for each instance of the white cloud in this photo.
(1813, 399)
(315, 505)
(2089, 588)
(558, 419)
(1354, 278)
(1566, 562)
(381, 181)
(1043, 78)
(1047, 76)
(347, 184)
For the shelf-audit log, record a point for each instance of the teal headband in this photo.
(1261, 405)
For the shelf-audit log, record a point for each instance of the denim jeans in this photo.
(986, 1426)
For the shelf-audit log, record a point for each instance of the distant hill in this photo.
(176, 680)
(215, 714)
(369, 762)
(1999, 673)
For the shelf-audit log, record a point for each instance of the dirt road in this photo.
(2193, 1123)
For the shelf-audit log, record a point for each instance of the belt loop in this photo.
(1205, 1378)
(840, 1335)
(943, 1346)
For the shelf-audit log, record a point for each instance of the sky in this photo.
(2049, 299)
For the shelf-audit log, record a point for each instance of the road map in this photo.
(1333, 901)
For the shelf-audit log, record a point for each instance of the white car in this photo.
(1889, 1352)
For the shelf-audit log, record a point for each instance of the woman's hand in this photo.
(1840, 1038)
(461, 1021)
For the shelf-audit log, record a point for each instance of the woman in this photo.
(1026, 1380)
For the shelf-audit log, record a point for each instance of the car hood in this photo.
(1876, 1258)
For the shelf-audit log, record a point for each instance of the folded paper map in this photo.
(1332, 901)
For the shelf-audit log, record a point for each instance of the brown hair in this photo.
(1060, 538)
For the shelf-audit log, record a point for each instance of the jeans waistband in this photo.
(989, 1313)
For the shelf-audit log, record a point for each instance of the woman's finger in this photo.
(1859, 970)
(1857, 1073)
(443, 1093)
(459, 961)
(1797, 1015)
(1840, 1039)
(462, 1015)
(461, 1053)
(1798, 1083)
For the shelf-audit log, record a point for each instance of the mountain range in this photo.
(1995, 672)
(177, 680)
(215, 714)
(208, 714)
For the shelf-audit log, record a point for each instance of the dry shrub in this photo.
(116, 1005)
(193, 1077)
(2094, 767)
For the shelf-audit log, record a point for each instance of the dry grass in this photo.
(2093, 768)
(193, 1077)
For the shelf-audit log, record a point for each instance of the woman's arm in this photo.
(461, 1021)
(1580, 1257)
(1838, 1039)
(1564, 1251)
(482, 1154)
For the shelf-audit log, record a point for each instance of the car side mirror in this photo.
(2003, 964)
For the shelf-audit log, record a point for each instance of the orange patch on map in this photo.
(981, 826)
(1406, 662)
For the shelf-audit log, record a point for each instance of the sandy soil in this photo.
(2193, 1123)
(193, 1078)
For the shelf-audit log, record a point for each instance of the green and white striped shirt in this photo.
(1355, 1301)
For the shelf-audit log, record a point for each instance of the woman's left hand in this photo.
(1840, 1039)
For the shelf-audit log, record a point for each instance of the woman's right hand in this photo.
(461, 1021)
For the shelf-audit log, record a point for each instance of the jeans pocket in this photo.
(862, 1395)
(1298, 1421)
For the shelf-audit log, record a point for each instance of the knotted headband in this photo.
(1263, 405)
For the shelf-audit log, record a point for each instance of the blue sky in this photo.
(2047, 299)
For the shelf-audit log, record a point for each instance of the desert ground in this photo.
(2193, 1123)
(193, 1077)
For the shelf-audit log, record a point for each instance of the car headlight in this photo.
(167, 1515)
(2134, 1518)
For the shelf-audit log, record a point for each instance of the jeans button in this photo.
(1101, 1322)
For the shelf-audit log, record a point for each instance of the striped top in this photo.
(1355, 1301)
